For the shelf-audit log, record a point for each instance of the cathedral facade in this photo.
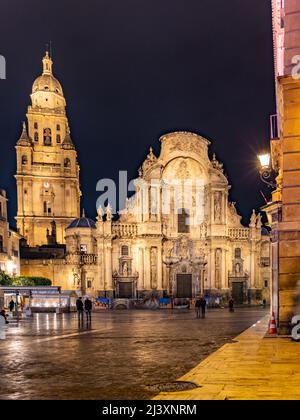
(178, 235)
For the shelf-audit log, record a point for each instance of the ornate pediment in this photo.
(148, 163)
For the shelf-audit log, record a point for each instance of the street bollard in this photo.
(2, 328)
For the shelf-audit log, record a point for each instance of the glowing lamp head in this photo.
(265, 160)
(10, 267)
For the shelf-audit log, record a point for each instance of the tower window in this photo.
(36, 126)
(47, 137)
(58, 127)
(47, 209)
(58, 139)
(1, 243)
(36, 136)
(67, 163)
(24, 160)
(183, 221)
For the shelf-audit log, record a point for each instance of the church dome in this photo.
(82, 222)
(47, 83)
(47, 91)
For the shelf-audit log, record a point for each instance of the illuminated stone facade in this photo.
(181, 250)
(284, 211)
(9, 242)
(47, 169)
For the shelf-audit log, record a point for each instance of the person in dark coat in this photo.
(88, 306)
(79, 307)
(203, 306)
(11, 305)
(231, 305)
(198, 307)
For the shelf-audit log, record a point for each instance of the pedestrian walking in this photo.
(203, 304)
(198, 307)
(11, 305)
(79, 307)
(88, 306)
(231, 305)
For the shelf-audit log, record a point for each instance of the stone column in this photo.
(147, 271)
(108, 267)
(141, 270)
(159, 269)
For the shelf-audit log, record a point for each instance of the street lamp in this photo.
(266, 171)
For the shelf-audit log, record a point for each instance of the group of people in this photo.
(201, 304)
(84, 306)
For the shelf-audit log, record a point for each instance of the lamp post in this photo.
(266, 172)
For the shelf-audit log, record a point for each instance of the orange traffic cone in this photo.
(273, 327)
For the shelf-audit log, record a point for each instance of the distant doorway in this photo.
(184, 286)
(125, 290)
(238, 292)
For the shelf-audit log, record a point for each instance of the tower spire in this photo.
(47, 63)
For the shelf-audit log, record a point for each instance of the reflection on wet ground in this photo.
(118, 356)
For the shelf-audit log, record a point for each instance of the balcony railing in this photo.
(238, 233)
(125, 230)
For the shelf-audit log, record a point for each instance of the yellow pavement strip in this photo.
(252, 368)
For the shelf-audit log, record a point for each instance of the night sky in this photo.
(133, 70)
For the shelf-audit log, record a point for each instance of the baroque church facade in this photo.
(178, 235)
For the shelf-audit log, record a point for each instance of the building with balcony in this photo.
(9, 242)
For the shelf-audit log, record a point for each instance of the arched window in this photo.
(125, 251)
(47, 137)
(67, 163)
(58, 127)
(58, 139)
(36, 136)
(47, 208)
(183, 221)
(36, 126)
(24, 160)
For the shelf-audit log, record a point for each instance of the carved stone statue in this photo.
(253, 220)
(125, 269)
(218, 206)
(100, 214)
(109, 213)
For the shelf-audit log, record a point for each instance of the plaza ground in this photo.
(120, 356)
(253, 367)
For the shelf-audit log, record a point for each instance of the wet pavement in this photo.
(122, 355)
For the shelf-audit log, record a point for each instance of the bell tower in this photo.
(47, 169)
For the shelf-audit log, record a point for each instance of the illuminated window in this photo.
(83, 248)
